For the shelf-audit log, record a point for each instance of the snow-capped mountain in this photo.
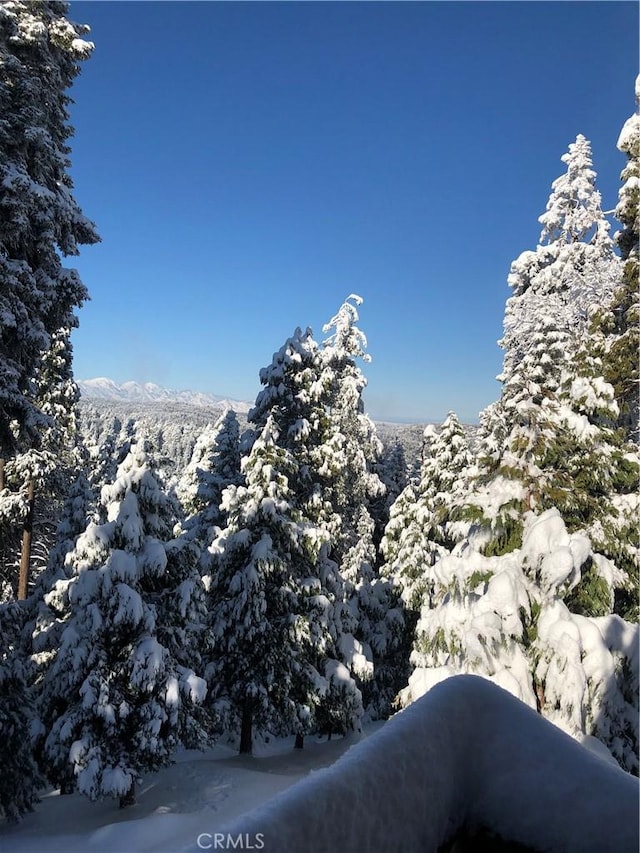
(148, 392)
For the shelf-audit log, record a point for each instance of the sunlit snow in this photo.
(468, 753)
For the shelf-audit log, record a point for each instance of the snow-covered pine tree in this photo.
(40, 52)
(403, 542)
(420, 529)
(294, 396)
(513, 619)
(392, 469)
(353, 487)
(214, 465)
(597, 476)
(20, 779)
(115, 701)
(353, 443)
(420, 532)
(24, 476)
(619, 323)
(103, 462)
(445, 474)
(556, 413)
(57, 394)
(574, 261)
(45, 622)
(527, 597)
(554, 426)
(61, 453)
(270, 618)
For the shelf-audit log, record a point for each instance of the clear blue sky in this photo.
(251, 164)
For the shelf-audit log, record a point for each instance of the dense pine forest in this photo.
(289, 573)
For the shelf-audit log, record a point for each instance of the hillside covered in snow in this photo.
(138, 392)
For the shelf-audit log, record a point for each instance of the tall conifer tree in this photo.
(119, 694)
(41, 51)
(527, 597)
(269, 617)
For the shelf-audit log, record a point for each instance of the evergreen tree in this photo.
(523, 620)
(526, 597)
(353, 488)
(61, 453)
(420, 532)
(270, 619)
(353, 442)
(25, 476)
(620, 322)
(57, 394)
(46, 621)
(392, 470)
(214, 465)
(104, 461)
(115, 700)
(420, 529)
(574, 263)
(20, 780)
(553, 433)
(294, 397)
(40, 51)
(403, 544)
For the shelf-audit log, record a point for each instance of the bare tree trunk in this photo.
(299, 744)
(27, 535)
(1, 474)
(246, 730)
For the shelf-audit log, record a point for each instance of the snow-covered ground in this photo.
(175, 805)
(467, 753)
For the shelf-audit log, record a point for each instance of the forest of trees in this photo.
(296, 576)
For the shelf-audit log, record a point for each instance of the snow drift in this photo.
(467, 753)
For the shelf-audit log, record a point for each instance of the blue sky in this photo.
(249, 165)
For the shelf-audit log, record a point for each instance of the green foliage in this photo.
(478, 578)
(592, 596)
(530, 623)
(626, 597)
(471, 513)
(507, 539)
(439, 641)
(439, 644)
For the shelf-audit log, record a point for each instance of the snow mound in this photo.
(466, 754)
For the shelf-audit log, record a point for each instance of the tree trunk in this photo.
(27, 534)
(1, 474)
(129, 799)
(299, 744)
(246, 730)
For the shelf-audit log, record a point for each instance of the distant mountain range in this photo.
(148, 392)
